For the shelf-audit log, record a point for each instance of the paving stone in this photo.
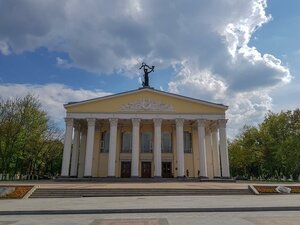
(142, 221)
(294, 220)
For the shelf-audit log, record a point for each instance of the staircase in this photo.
(90, 192)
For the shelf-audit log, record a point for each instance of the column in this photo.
(179, 147)
(112, 147)
(223, 149)
(202, 149)
(216, 152)
(157, 147)
(89, 147)
(82, 152)
(75, 150)
(135, 147)
(67, 147)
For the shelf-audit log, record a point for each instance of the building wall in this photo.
(191, 160)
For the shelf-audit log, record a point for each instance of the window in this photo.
(126, 142)
(104, 145)
(187, 142)
(166, 142)
(146, 142)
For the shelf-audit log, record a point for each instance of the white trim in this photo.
(145, 116)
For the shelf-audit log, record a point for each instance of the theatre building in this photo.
(145, 133)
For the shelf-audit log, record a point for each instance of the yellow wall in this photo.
(102, 166)
(209, 159)
(113, 104)
(195, 152)
(96, 153)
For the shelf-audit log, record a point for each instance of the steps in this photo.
(77, 193)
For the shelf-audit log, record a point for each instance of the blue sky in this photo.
(281, 37)
(244, 54)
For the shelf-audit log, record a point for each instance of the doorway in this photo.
(125, 169)
(146, 169)
(166, 169)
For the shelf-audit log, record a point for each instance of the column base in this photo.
(87, 176)
(217, 177)
(157, 177)
(63, 176)
(134, 177)
(181, 177)
(203, 177)
(225, 177)
(73, 176)
(111, 176)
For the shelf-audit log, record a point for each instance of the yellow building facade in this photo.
(145, 133)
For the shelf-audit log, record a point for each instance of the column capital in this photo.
(214, 127)
(83, 131)
(91, 121)
(136, 121)
(113, 121)
(69, 121)
(208, 130)
(179, 121)
(222, 123)
(201, 123)
(157, 121)
(77, 125)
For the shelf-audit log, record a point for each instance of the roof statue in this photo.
(147, 70)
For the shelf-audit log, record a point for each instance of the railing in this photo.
(7, 177)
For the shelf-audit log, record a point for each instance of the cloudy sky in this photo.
(242, 53)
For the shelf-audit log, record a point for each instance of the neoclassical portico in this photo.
(145, 133)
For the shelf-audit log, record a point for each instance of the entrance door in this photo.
(125, 169)
(166, 169)
(146, 169)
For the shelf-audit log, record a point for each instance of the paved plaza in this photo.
(172, 210)
(257, 218)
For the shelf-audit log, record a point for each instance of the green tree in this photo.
(245, 154)
(25, 136)
(270, 150)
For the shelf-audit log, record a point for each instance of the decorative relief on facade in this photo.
(147, 105)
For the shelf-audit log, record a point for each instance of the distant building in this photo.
(145, 133)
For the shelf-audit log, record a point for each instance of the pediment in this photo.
(145, 100)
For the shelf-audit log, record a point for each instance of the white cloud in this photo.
(63, 63)
(51, 96)
(206, 41)
(247, 107)
(4, 48)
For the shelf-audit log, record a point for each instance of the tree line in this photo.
(270, 150)
(30, 145)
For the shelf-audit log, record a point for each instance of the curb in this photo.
(31, 191)
(151, 210)
(253, 189)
